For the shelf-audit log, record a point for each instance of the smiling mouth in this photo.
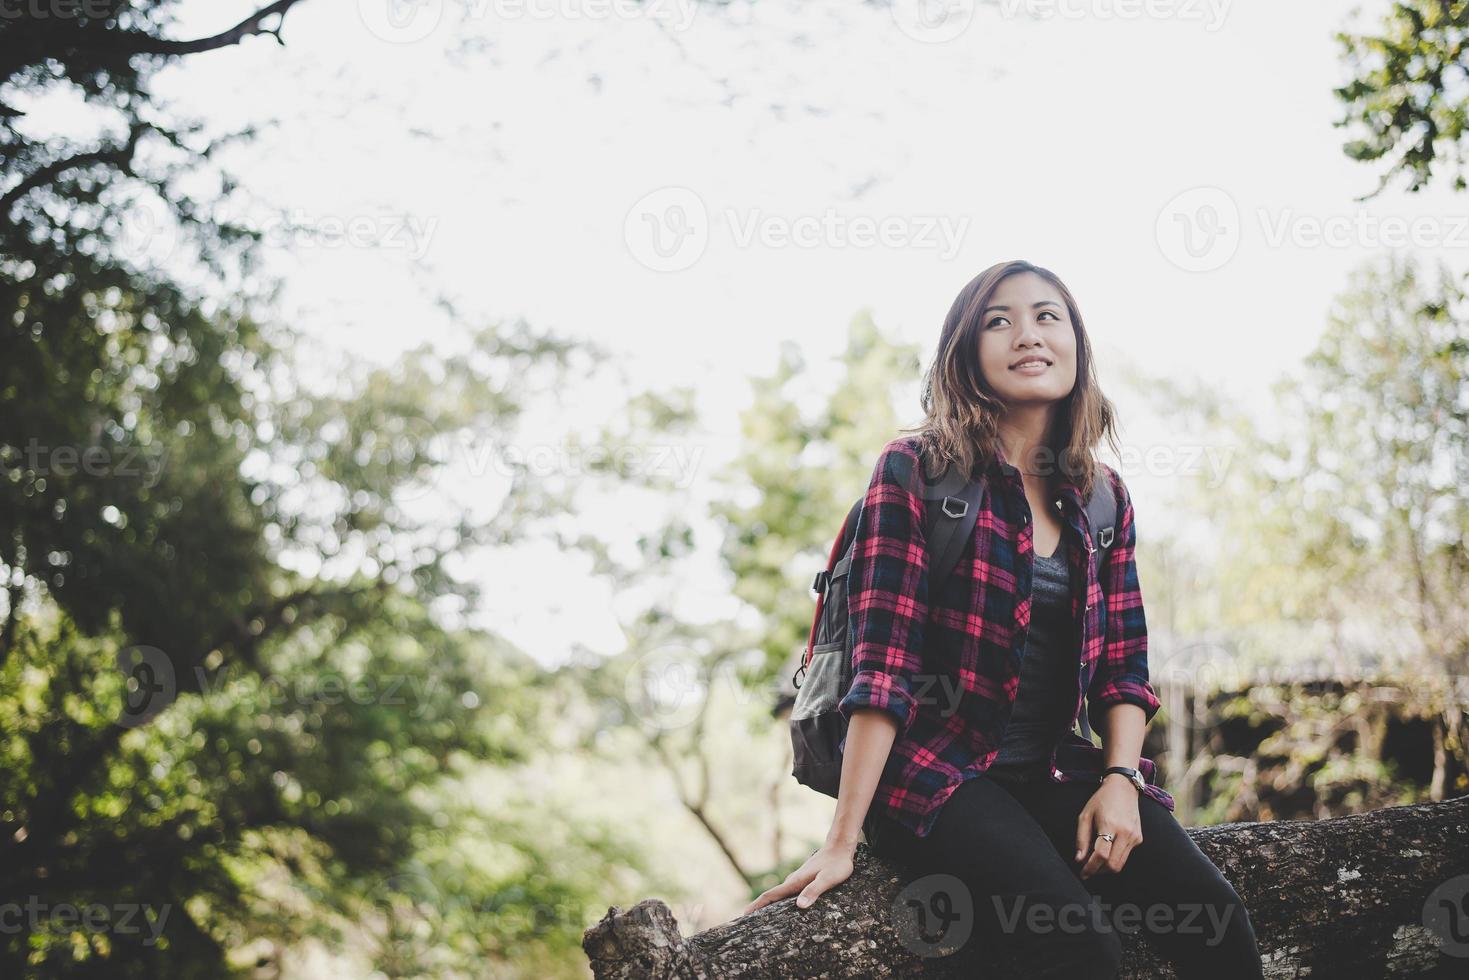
(1032, 367)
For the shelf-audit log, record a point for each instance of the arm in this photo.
(887, 600)
(869, 740)
(887, 606)
(1121, 675)
(1120, 702)
(887, 597)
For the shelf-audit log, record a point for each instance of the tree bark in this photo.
(1338, 899)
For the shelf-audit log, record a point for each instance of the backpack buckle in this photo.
(1105, 538)
(818, 584)
(959, 502)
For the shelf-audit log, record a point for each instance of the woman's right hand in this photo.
(827, 868)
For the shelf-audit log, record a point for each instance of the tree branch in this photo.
(249, 27)
(1343, 898)
(120, 157)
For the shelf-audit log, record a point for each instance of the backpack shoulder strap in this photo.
(1101, 515)
(950, 524)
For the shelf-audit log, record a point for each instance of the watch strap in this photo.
(1133, 775)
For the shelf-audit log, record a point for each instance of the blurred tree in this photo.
(1409, 90)
(224, 703)
(1340, 525)
(808, 443)
(806, 458)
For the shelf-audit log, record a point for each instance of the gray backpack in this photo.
(817, 727)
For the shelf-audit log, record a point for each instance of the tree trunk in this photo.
(1343, 899)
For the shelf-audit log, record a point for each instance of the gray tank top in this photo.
(1047, 692)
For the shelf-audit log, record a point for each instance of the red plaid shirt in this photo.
(947, 667)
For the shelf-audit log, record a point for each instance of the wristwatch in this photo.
(1132, 774)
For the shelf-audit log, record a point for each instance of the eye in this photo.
(1051, 313)
(998, 318)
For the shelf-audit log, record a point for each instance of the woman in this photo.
(963, 702)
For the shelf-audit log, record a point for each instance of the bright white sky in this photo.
(506, 154)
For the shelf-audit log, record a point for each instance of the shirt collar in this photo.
(1066, 487)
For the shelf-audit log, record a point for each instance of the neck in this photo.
(1023, 432)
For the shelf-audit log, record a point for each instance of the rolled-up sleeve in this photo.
(887, 596)
(1122, 668)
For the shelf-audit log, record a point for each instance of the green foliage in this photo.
(806, 457)
(231, 724)
(1408, 91)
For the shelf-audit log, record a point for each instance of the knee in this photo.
(1224, 914)
(1092, 953)
(1099, 954)
(1075, 943)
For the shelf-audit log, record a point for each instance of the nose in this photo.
(1028, 335)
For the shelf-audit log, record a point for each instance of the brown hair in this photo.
(962, 411)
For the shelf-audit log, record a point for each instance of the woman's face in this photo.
(1026, 321)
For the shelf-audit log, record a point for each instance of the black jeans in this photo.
(1008, 846)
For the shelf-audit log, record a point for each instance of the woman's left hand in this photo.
(1111, 810)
